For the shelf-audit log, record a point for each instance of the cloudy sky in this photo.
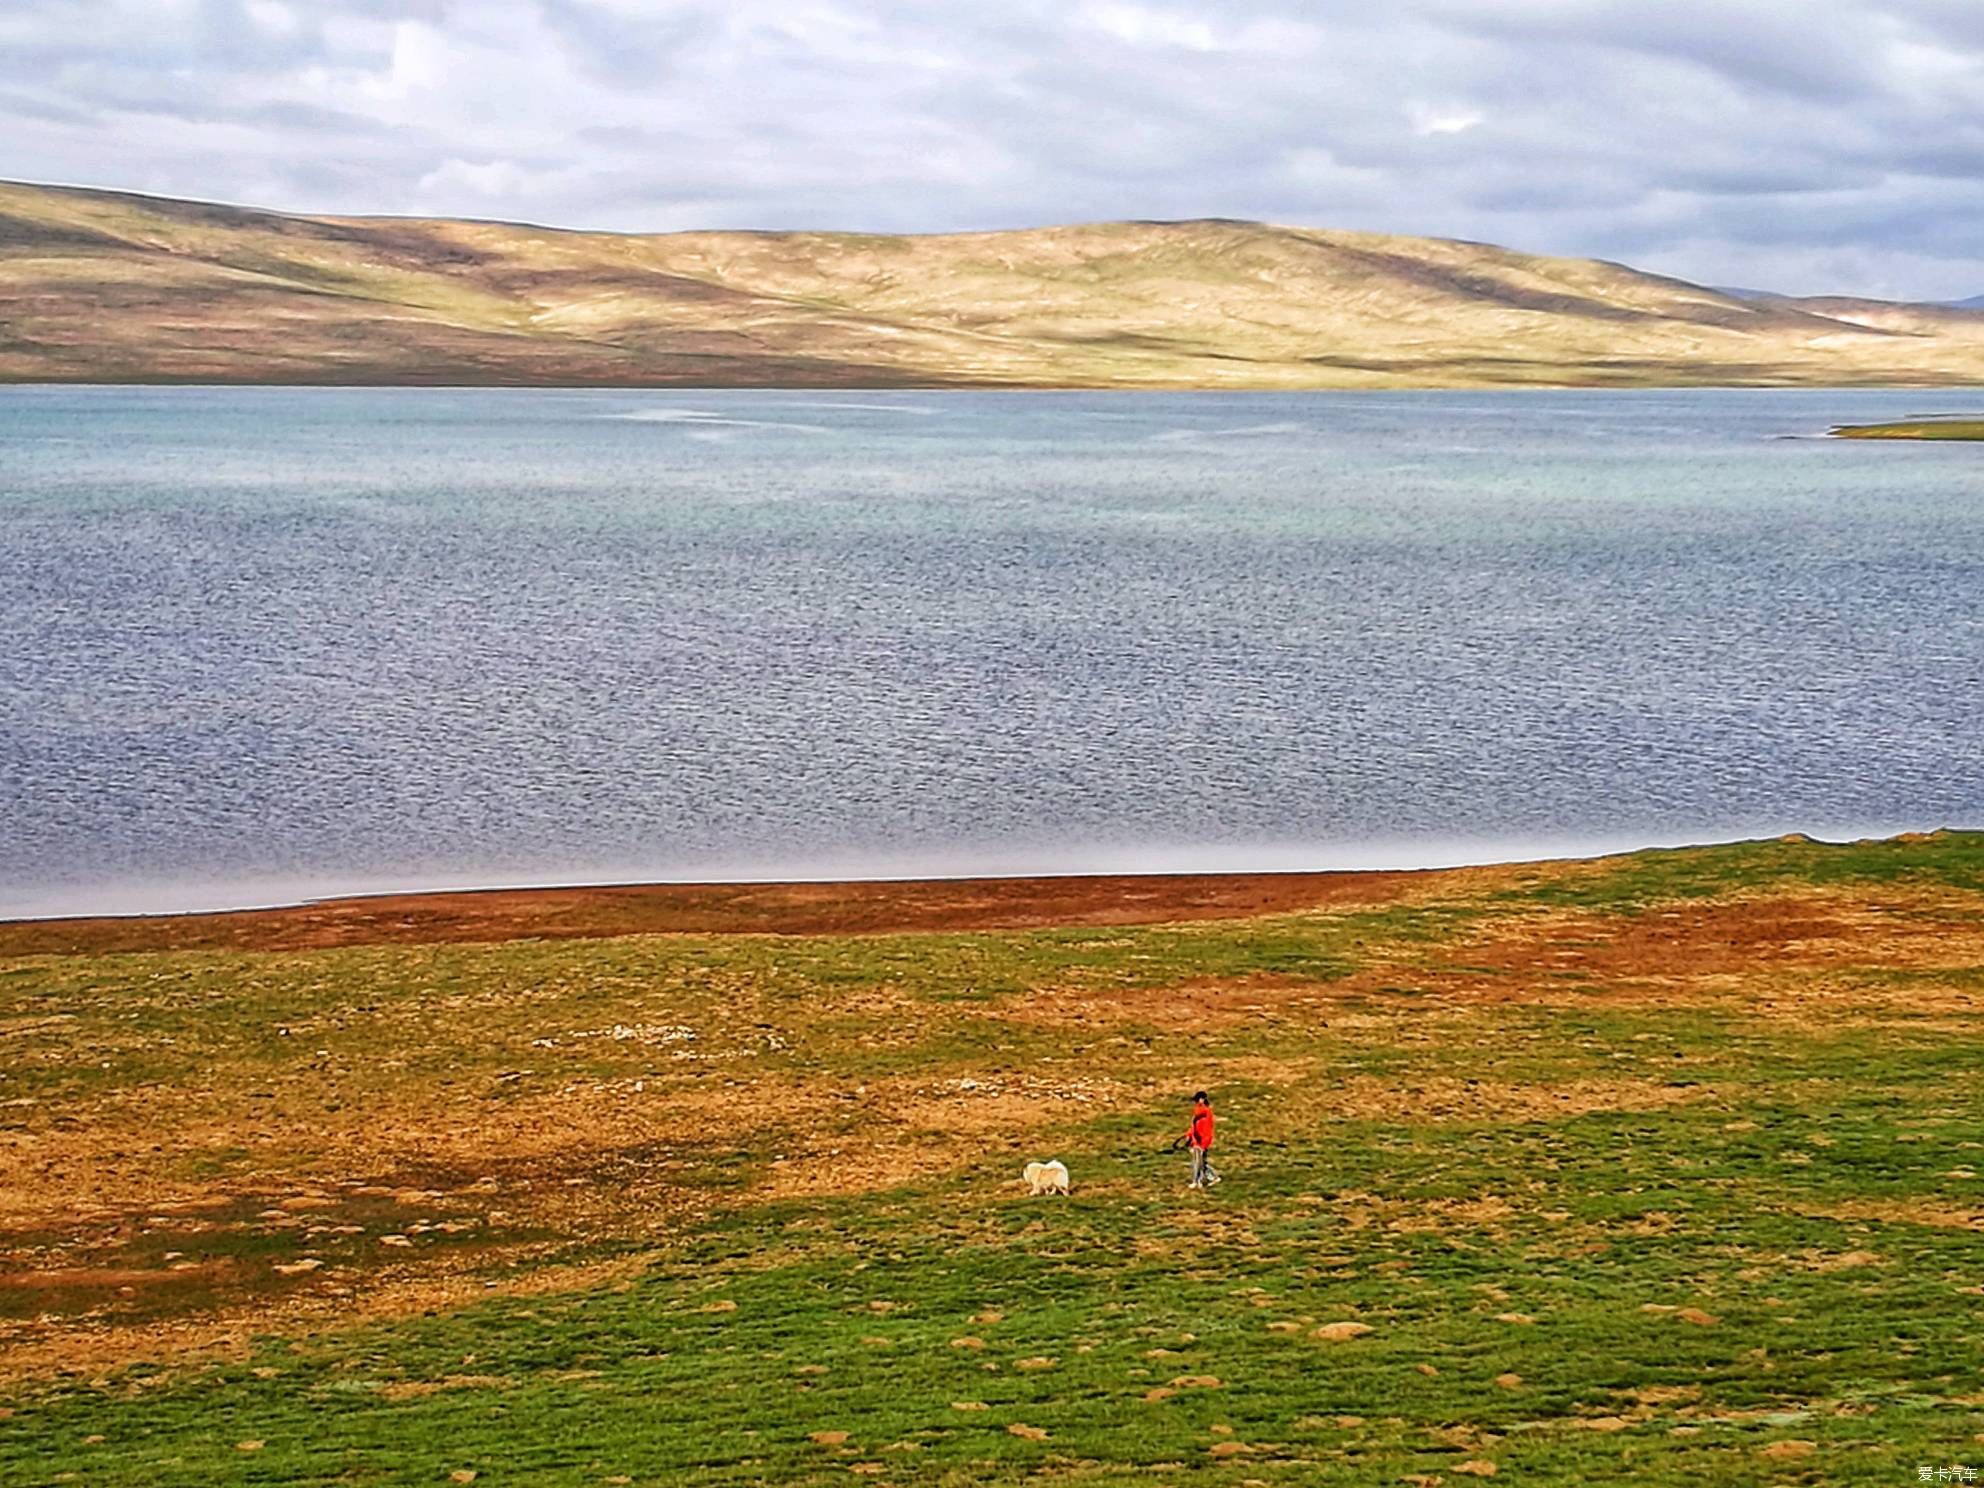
(1804, 145)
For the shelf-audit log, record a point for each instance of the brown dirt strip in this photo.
(844, 908)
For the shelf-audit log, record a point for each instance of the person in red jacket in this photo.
(1198, 1137)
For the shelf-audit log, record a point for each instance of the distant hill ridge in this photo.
(99, 286)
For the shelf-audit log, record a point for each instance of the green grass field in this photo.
(1658, 1170)
(1914, 429)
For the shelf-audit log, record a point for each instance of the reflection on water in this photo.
(265, 643)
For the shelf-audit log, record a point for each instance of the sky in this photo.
(1806, 146)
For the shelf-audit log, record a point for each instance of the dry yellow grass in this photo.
(99, 286)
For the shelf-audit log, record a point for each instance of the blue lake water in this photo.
(263, 643)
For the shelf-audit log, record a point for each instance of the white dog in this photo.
(1045, 1178)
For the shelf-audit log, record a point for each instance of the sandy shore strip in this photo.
(808, 908)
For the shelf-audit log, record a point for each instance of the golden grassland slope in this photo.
(100, 286)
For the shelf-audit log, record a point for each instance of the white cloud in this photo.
(1147, 25)
(1770, 141)
(489, 180)
(1430, 121)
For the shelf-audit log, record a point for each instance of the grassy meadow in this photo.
(1914, 429)
(1658, 1169)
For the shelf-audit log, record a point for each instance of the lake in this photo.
(264, 643)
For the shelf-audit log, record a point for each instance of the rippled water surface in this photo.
(269, 642)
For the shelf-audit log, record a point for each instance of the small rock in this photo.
(1791, 1447)
(1520, 1319)
(1340, 1332)
(462, 1475)
(1229, 1449)
(1607, 1423)
(1696, 1316)
(967, 1342)
(297, 1268)
(247, 1446)
(969, 1405)
(1035, 1363)
(1509, 1381)
(1196, 1382)
(722, 1305)
(395, 1240)
(1426, 1369)
(826, 1438)
(1478, 1467)
(1029, 1433)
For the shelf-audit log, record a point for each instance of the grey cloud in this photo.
(1753, 46)
(1800, 142)
(630, 53)
(21, 104)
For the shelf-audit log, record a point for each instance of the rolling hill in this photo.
(100, 286)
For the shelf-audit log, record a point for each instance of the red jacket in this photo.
(1200, 1132)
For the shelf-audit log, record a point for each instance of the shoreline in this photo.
(1932, 428)
(1796, 385)
(1154, 861)
(933, 903)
